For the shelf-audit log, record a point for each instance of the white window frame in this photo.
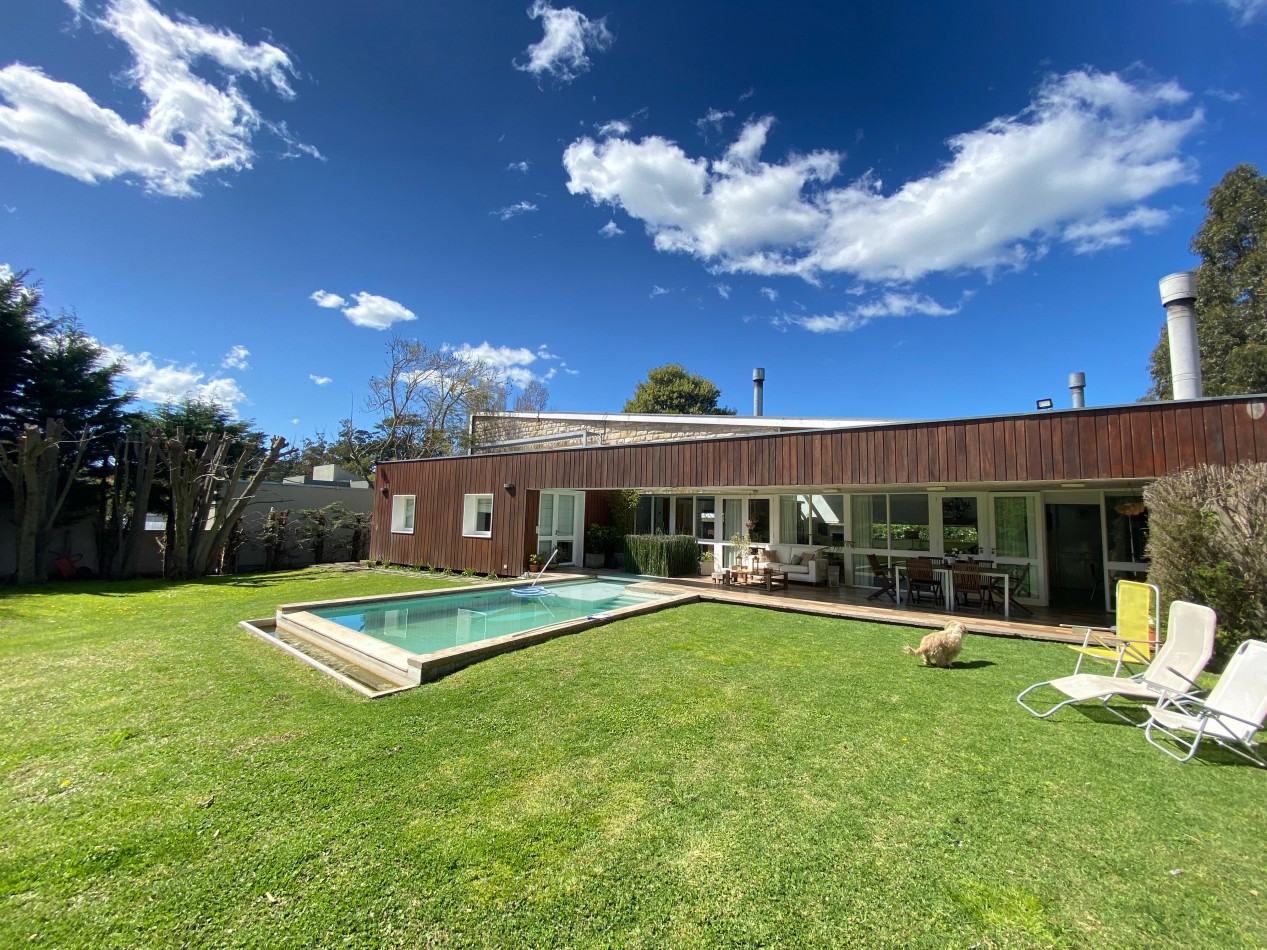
(470, 516)
(404, 514)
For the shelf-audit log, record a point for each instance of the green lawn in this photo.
(705, 776)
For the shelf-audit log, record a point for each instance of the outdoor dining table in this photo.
(947, 575)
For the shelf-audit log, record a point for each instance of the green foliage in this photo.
(662, 555)
(706, 776)
(624, 509)
(671, 389)
(603, 539)
(1231, 282)
(1208, 543)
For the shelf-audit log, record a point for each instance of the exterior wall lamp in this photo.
(385, 491)
(1043, 404)
(509, 486)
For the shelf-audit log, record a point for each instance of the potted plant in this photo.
(598, 545)
(536, 562)
(706, 562)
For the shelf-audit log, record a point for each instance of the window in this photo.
(810, 519)
(403, 514)
(155, 521)
(477, 516)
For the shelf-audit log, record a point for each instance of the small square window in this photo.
(403, 514)
(477, 516)
(155, 521)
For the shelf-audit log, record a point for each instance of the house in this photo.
(1058, 490)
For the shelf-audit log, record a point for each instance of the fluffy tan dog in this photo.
(941, 647)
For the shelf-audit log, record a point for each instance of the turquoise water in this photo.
(427, 624)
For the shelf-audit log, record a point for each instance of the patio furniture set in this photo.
(950, 583)
(1230, 715)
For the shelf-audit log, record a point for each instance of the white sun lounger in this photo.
(1189, 643)
(1231, 715)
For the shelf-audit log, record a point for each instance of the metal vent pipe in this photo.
(758, 388)
(1077, 389)
(1178, 296)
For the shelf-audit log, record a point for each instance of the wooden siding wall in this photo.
(1141, 441)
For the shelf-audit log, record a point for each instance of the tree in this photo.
(22, 324)
(426, 397)
(1231, 280)
(39, 489)
(208, 496)
(532, 398)
(671, 389)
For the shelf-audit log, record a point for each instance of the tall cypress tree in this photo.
(1231, 281)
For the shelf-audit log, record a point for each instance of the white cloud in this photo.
(191, 128)
(1087, 237)
(1089, 145)
(658, 291)
(521, 167)
(891, 304)
(236, 358)
(723, 290)
(769, 293)
(568, 35)
(377, 313)
(712, 121)
(370, 310)
(320, 380)
(329, 301)
(5, 272)
(510, 211)
(512, 364)
(614, 127)
(294, 422)
(1245, 12)
(169, 382)
(611, 229)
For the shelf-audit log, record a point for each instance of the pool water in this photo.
(426, 624)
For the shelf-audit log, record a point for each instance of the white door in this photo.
(559, 525)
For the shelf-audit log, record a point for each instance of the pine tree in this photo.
(671, 389)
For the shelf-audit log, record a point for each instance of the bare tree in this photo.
(532, 398)
(425, 398)
(32, 468)
(136, 460)
(204, 507)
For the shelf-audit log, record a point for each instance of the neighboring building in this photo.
(1060, 490)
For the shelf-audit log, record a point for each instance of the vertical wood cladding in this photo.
(1140, 441)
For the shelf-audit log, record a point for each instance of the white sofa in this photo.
(806, 565)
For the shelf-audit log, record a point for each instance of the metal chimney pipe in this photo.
(1077, 389)
(758, 387)
(1178, 295)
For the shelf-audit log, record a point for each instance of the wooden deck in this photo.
(853, 603)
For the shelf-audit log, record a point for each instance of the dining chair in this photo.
(921, 579)
(883, 576)
(970, 584)
(1015, 586)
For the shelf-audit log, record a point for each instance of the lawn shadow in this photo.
(972, 665)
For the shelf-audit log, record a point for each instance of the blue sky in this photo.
(913, 210)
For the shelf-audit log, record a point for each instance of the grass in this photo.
(706, 776)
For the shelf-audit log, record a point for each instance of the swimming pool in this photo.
(406, 639)
(423, 625)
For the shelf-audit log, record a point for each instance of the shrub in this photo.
(662, 555)
(1208, 543)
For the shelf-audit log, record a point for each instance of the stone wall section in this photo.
(612, 430)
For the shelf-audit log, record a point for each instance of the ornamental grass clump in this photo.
(662, 555)
(1208, 543)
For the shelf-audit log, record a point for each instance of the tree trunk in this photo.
(32, 470)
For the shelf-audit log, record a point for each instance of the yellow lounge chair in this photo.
(1134, 637)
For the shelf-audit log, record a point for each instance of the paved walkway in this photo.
(1044, 624)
